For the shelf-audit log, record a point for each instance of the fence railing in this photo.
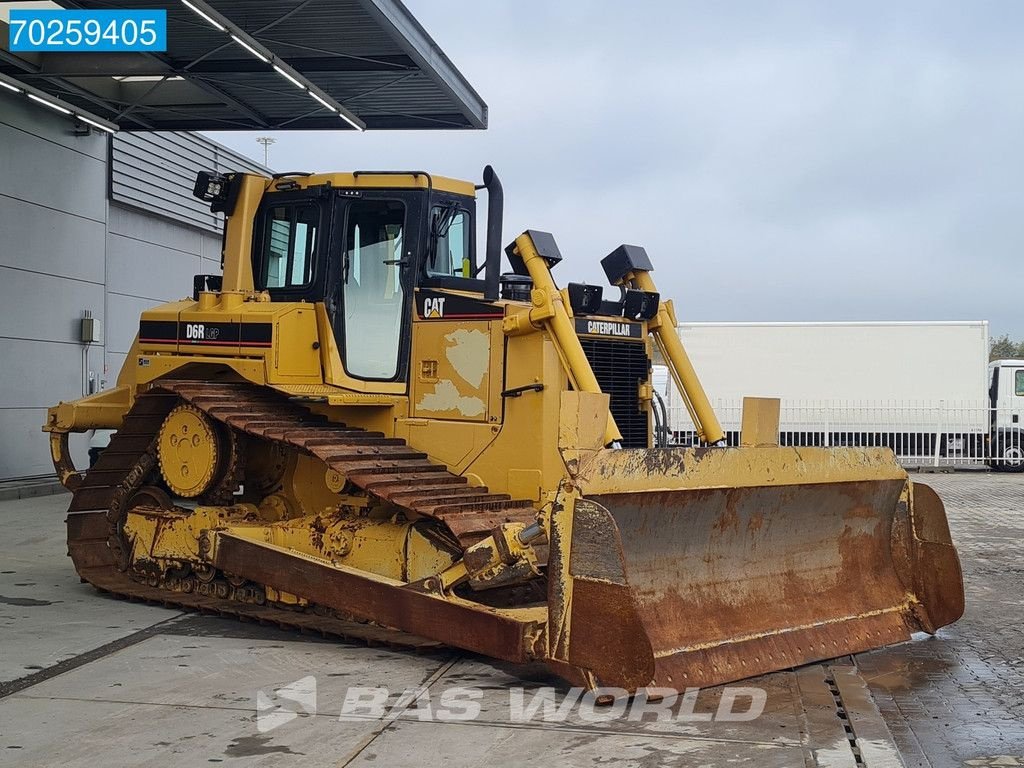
(919, 433)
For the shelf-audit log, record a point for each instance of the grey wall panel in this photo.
(210, 267)
(156, 172)
(46, 372)
(39, 124)
(211, 246)
(145, 270)
(123, 313)
(45, 308)
(27, 451)
(51, 174)
(52, 242)
(149, 228)
(52, 220)
(114, 362)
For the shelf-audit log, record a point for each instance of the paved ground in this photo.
(90, 680)
(958, 697)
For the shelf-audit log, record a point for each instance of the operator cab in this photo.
(362, 243)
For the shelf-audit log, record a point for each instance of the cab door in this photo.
(1008, 443)
(457, 338)
(370, 301)
(1010, 394)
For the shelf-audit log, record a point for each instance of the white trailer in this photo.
(922, 388)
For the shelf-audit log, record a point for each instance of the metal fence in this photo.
(919, 433)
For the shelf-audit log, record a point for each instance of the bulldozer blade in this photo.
(740, 564)
(933, 563)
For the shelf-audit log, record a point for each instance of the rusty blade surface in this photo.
(934, 564)
(731, 582)
(606, 634)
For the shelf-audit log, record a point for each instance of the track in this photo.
(385, 468)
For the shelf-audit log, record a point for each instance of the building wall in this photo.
(78, 232)
(52, 244)
(150, 260)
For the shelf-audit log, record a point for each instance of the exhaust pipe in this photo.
(495, 208)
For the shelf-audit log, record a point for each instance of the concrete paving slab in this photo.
(502, 703)
(470, 745)
(227, 672)
(130, 684)
(46, 614)
(75, 734)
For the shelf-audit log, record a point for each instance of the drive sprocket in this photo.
(189, 451)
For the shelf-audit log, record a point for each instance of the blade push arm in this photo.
(629, 266)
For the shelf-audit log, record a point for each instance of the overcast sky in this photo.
(778, 160)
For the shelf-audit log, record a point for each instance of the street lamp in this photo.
(266, 141)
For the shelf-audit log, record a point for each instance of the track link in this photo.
(386, 468)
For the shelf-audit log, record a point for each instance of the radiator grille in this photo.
(620, 367)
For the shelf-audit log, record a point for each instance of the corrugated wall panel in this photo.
(155, 172)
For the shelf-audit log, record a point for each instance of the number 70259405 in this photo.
(83, 31)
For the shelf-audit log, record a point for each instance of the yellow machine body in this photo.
(504, 490)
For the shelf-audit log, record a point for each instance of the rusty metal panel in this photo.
(935, 566)
(606, 633)
(733, 582)
(456, 623)
(655, 469)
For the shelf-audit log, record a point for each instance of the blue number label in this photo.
(86, 31)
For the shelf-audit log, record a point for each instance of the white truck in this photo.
(924, 389)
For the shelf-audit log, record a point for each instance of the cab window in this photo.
(373, 293)
(1018, 382)
(450, 232)
(289, 244)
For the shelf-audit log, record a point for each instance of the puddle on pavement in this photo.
(250, 746)
(25, 601)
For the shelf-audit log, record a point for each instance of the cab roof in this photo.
(384, 180)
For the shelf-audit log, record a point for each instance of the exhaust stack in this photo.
(495, 209)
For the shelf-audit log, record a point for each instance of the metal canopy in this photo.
(273, 65)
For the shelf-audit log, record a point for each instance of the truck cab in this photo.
(1006, 400)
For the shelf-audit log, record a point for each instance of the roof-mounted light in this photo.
(204, 15)
(250, 49)
(64, 108)
(256, 49)
(351, 122)
(283, 73)
(94, 123)
(50, 104)
(322, 101)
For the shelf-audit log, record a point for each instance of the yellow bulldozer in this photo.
(362, 429)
